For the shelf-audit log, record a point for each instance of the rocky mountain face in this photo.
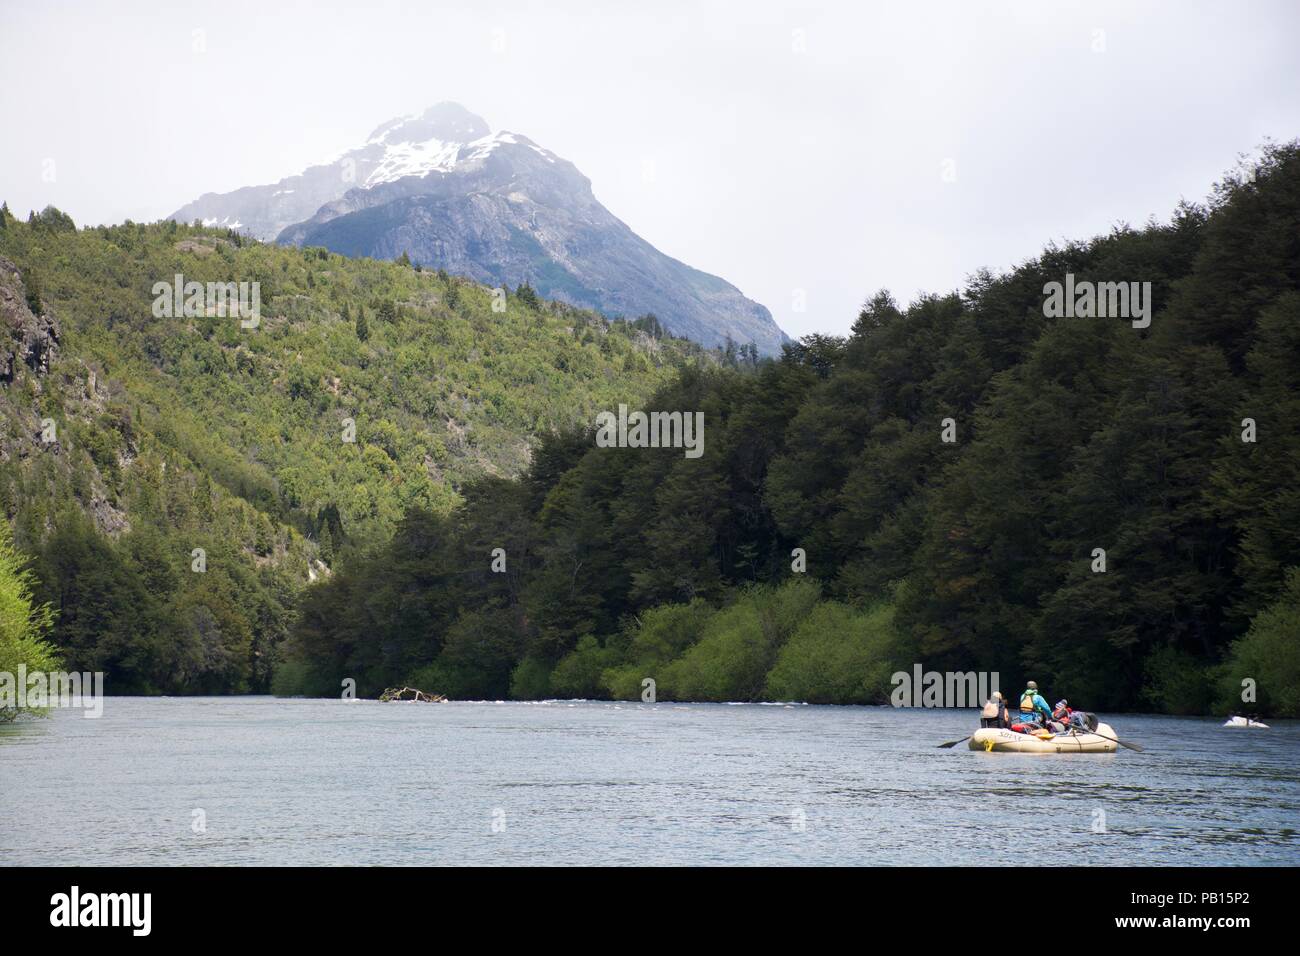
(496, 207)
(33, 336)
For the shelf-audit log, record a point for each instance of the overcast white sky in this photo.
(783, 146)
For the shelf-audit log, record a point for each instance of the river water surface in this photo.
(334, 782)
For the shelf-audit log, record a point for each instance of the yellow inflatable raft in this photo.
(1071, 742)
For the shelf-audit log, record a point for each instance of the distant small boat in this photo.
(1235, 721)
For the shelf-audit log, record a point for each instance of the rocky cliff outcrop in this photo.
(27, 337)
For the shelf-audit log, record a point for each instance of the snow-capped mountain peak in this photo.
(445, 190)
(422, 143)
(443, 139)
(438, 140)
(449, 122)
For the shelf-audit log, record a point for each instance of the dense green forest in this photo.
(177, 482)
(1172, 448)
(937, 487)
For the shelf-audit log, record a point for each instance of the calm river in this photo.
(256, 780)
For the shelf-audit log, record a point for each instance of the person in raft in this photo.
(1060, 717)
(1034, 712)
(995, 712)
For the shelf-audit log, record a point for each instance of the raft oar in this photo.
(1122, 743)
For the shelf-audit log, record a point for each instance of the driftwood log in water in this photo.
(411, 693)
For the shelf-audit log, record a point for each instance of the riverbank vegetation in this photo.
(1110, 508)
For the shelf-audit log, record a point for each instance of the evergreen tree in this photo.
(527, 296)
(33, 286)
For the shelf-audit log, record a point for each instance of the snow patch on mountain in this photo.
(414, 159)
(403, 158)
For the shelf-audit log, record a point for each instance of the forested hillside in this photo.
(1173, 448)
(178, 481)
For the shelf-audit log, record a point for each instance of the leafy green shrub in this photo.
(24, 624)
(455, 681)
(838, 655)
(301, 679)
(623, 682)
(729, 662)
(783, 609)
(740, 644)
(578, 674)
(1269, 655)
(664, 632)
(530, 680)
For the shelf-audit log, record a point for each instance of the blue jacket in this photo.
(1041, 710)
